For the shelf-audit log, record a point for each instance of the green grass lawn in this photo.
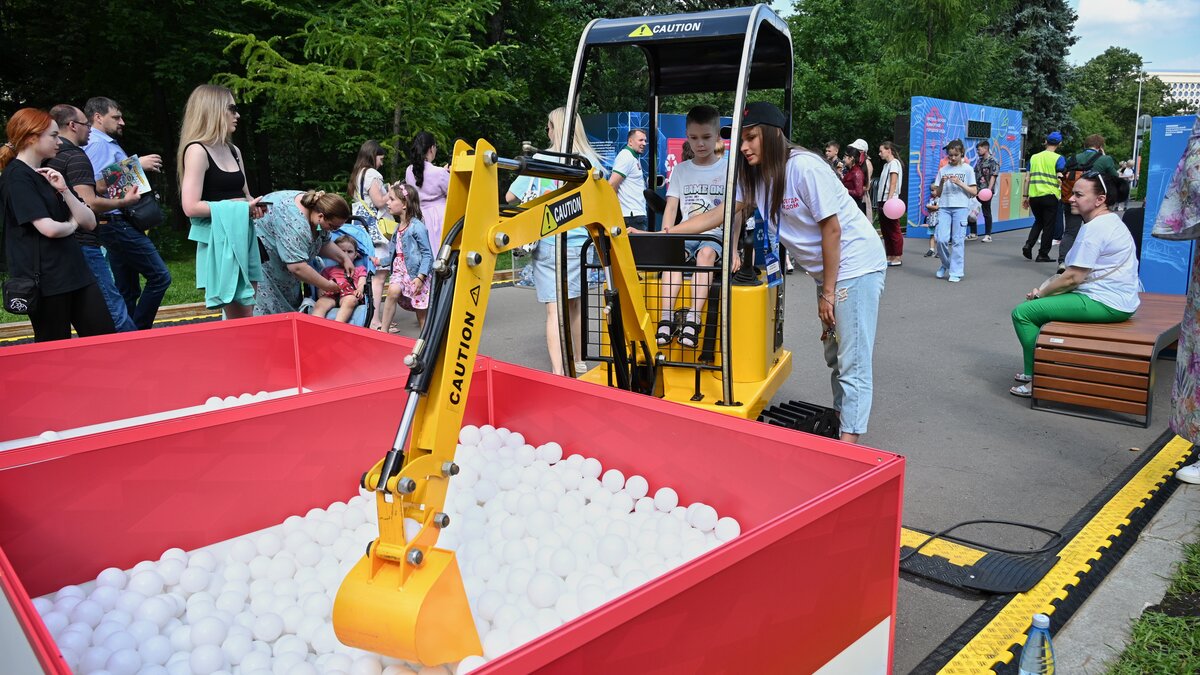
(1166, 638)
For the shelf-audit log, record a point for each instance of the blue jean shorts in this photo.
(693, 246)
(544, 279)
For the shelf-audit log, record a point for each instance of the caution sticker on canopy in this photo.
(560, 213)
(645, 30)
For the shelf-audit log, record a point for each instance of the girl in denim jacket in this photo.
(409, 285)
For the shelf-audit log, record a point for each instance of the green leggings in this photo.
(1029, 316)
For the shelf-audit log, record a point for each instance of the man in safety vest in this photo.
(1041, 196)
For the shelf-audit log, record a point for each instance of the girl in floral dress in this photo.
(409, 285)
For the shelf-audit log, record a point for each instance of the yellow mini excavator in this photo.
(405, 597)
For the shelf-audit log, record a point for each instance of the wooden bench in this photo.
(1105, 366)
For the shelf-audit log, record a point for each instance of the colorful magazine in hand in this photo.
(120, 175)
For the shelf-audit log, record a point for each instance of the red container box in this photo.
(809, 585)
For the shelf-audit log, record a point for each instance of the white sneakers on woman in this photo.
(1189, 474)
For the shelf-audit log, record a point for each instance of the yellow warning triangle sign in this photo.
(549, 224)
(642, 31)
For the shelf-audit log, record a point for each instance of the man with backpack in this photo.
(1092, 158)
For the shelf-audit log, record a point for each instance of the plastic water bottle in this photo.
(1037, 658)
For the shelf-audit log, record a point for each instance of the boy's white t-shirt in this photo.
(629, 192)
(699, 189)
(953, 196)
(811, 194)
(1103, 244)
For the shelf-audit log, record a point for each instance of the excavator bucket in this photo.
(423, 618)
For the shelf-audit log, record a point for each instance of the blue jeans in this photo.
(96, 261)
(132, 256)
(950, 233)
(850, 351)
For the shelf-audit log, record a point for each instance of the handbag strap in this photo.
(1113, 269)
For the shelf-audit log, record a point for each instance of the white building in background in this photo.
(1185, 86)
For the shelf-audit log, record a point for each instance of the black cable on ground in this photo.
(1055, 538)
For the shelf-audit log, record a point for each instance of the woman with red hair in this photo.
(40, 215)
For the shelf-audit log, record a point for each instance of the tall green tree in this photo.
(1041, 32)
(836, 56)
(1106, 92)
(413, 59)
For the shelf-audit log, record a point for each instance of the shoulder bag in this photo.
(21, 294)
(145, 214)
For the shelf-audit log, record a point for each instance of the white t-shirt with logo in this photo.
(629, 192)
(699, 189)
(1105, 247)
(954, 197)
(811, 194)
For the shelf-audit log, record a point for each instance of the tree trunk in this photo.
(397, 117)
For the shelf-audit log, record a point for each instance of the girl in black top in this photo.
(205, 149)
(40, 216)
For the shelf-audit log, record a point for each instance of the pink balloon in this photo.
(893, 208)
(985, 195)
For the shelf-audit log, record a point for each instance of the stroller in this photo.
(355, 227)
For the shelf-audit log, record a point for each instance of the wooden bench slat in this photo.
(1090, 359)
(1090, 401)
(1117, 332)
(1091, 375)
(1129, 349)
(1091, 389)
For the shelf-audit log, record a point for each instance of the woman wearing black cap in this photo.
(794, 191)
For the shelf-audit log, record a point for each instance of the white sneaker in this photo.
(1189, 474)
(581, 367)
(987, 238)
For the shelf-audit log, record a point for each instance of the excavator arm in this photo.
(405, 597)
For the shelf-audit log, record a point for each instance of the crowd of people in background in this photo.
(77, 219)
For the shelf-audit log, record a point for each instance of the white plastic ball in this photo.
(204, 560)
(470, 663)
(49, 435)
(155, 610)
(94, 658)
(591, 468)
(496, 643)
(727, 528)
(269, 544)
(704, 518)
(209, 631)
(214, 402)
(112, 576)
(125, 661)
(56, 622)
(637, 487)
(268, 627)
(142, 630)
(87, 611)
(155, 650)
(119, 640)
(613, 480)
(130, 601)
(170, 569)
(206, 659)
(611, 550)
(469, 435)
(192, 580)
(665, 499)
(621, 503)
(550, 452)
(524, 455)
(243, 550)
(147, 583)
(544, 590)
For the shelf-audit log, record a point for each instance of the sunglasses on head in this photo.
(1098, 176)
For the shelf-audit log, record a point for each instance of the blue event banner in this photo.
(1165, 265)
(934, 122)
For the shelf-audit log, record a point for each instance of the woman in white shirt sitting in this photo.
(1100, 283)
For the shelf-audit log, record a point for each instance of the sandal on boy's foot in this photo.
(666, 332)
(1022, 377)
(689, 334)
(1022, 390)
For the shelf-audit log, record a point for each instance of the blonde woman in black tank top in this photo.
(210, 165)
